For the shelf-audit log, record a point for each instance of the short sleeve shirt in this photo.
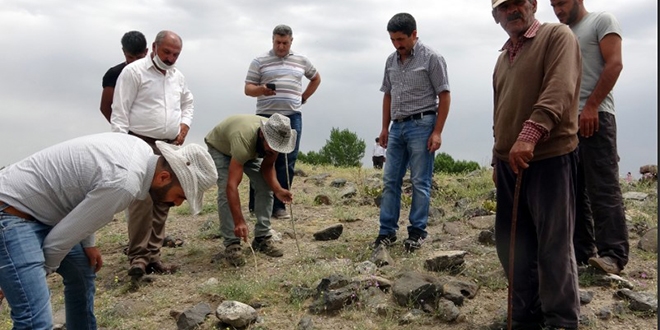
(236, 137)
(110, 77)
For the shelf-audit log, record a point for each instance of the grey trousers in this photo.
(263, 206)
(545, 279)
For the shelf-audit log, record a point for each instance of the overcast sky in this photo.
(56, 52)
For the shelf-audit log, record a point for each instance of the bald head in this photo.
(167, 46)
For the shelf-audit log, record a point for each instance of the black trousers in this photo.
(600, 223)
(545, 285)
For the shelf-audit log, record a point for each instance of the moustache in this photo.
(513, 17)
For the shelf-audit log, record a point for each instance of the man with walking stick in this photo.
(536, 85)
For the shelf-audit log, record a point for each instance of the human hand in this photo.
(95, 258)
(520, 155)
(267, 91)
(241, 230)
(434, 142)
(588, 122)
(181, 137)
(382, 138)
(285, 196)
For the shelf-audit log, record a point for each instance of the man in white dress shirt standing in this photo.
(152, 102)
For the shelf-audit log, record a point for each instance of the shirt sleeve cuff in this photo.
(533, 133)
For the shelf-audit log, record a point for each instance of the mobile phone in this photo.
(270, 86)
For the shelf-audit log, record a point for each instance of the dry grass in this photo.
(122, 305)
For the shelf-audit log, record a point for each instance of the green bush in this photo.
(445, 163)
(343, 149)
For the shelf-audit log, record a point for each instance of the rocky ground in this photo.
(337, 282)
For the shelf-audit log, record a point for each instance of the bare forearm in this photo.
(311, 87)
(444, 100)
(387, 116)
(605, 84)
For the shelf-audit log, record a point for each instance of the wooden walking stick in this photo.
(512, 248)
(288, 186)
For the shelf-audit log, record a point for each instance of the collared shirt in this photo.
(149, 103)
(236, 137)
(515, 49)
(286, 73)
(378, 150)
(77, 187)
(415, 83)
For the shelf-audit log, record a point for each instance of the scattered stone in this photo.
(322, 200)
(456, 291)
(210, 282)
(318, 180)
(299, 172)
(381, 257)
(453, 228)
(619, 308)
(584, 320)
(372, 281)
(236, 313)
(305, 323)
(639, 301)
(416, 289)
(637, 196)
(366, 267)
(436, 212)
(586, 297)
(445, 260)
(462, 203)
(331, 282)
(605, 313)
(376, 301)
(194, 316)
(476, 212)
(447, 311)
(482, 222)
(649, 241)
(330, 233)
(338, 183)
(487, 237)
(348, 192)
(650, 169)
(335, 300)
(614, 280)
(412, 316)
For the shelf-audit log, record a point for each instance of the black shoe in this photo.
(386, 240)
(413, 243)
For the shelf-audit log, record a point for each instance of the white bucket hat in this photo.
(278, 133)
(194, 168)
(498, 2)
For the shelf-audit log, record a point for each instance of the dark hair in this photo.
(134, 42)
(377, 139)
(283, 30)
(402, 22)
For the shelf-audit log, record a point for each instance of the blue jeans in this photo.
(263, 197)
(23, 277)
(407, 146)
(280, 164)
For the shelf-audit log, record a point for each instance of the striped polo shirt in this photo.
(415, 84)
(286, 73)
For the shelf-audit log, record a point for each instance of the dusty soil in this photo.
(266, 282)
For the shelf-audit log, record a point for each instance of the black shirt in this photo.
(110, 77)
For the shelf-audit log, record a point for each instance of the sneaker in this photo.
(234, 255)
(386, 240)
(606, 264)
(413, 243)
(266, 245)
(281, 214)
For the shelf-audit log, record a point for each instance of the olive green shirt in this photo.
(236, 137)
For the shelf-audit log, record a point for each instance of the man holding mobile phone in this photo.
(281, 69)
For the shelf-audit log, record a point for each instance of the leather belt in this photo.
(13, 211)
(149, 140)
(415, 116)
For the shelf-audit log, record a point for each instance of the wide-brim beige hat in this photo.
(194, 168)
(498, 2)
(278, 133)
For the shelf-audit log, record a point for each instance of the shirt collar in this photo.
(413, 51)
(148, 177)
(529, 34)
(272, 53)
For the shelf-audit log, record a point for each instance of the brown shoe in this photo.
(159, 268)
(234, 255)
(606, 264)
(137, 270)
(266, 245)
